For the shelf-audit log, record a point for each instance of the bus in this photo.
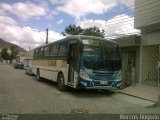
(79, 61)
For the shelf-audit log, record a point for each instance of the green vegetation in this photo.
(4, 54)
(94, 31)
(72, 30)
(77, 30)
(9, 56)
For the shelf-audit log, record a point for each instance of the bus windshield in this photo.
(101, 55)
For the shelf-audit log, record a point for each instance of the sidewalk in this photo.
(145, 92)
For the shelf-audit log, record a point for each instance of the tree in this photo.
(9, 56)
(72, 30)
(4, 54)
(13, 52)
(76, 30)
(94, 31)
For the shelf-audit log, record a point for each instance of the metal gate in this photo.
(150, 60)
(129, 67)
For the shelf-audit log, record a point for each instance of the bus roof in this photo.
(79, 38)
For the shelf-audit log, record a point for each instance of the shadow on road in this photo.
(89, 93)
(79, 92)
(47, 82)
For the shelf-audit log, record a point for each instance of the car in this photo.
(28, 70)
(19, 65)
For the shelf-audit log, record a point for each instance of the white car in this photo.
(28, 70)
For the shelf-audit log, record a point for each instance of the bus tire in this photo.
(60, 82)
(38, 77)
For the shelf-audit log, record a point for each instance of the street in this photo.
(23, 94)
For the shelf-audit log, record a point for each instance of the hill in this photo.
(4, 44)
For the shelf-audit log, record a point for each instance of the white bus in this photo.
(79, 62)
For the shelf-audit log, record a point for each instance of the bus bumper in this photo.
(103, 87)
(91, 85)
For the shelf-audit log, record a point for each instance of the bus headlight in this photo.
(83, 74)
(117, 75)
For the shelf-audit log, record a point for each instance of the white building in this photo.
(147, 19)
(28, 58)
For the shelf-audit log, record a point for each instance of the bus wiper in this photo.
(103, 71)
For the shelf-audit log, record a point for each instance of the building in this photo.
(28, 58)
(12, 47)
(130, 49)
(147, 19)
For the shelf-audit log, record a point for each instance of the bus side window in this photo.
(40, 53)
(35, 54)
(54, 50)
(46, 51)
(62, 53)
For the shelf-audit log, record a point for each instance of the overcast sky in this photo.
(24, 22)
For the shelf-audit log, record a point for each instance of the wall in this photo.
(149, 62)
(27, 62)
(147, 17)
(150, 38)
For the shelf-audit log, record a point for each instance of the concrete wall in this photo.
(147, 18)
(27, 62)
(128, 41)
(147, 14)
(150, 38)
(150, 57)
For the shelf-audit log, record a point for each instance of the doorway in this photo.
(73, 60)
(129, 68)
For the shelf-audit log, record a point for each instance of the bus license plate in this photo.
(103, 82)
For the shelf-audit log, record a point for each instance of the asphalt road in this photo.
(20, 93)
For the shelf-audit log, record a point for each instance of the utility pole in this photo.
(47, 36)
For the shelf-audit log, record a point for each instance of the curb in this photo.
(139, 97)
(158, 101)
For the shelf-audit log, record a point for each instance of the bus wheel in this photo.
(38, 75)
(60, 82)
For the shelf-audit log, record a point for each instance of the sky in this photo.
(24, 22)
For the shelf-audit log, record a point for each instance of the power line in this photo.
(127, 20)
(121, 35)
(153, 8)
(133, 33)
(137, 6)
(126, 31)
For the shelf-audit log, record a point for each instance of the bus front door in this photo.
(72, 60)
